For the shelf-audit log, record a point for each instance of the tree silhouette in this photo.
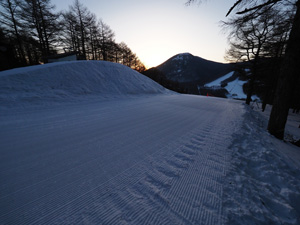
(41, 22)
(289, 74)
(9, 18)
(31, 31)
(253, 37)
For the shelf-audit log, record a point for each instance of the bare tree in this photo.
(251, 38)
(9, 18)
(289, 70)
(70, 32)
(106, 40)
(34, 31)
(130, 59)
(83, 19)
(41, 23)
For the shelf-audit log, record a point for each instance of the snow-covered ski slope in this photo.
(218, 81)
(234, 88)
(159, 158)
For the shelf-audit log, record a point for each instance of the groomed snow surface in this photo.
(98, 143)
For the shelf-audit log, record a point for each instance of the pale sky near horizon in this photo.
(159, 29)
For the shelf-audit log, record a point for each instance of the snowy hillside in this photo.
(234, 87)
(71, 81)
(155, 158)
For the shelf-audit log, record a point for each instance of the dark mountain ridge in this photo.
(185, 72)
(185, 68)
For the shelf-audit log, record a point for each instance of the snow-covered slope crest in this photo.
(72, 80)
(185, 67)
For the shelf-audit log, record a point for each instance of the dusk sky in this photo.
(158, 29)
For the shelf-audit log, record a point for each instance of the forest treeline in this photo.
(31, 31)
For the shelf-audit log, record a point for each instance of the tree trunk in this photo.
(20, 45)
(44, 31)
(82, 38)
(287, 80)
(252, 80)
(250, 90)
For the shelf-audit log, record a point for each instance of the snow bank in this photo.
(263, 180)
(292, 133)
(71, 81)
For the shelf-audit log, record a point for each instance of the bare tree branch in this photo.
(269, 2)
(189, 2)
(235, 4)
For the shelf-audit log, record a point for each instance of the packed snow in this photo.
(117, 148)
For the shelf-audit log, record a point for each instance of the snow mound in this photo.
(263, 178)
(72, 81)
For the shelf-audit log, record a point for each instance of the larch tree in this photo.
(84, 18)
(9, 18)
(106, 40)
(42, 23)
(70, 33)
(34, 31)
